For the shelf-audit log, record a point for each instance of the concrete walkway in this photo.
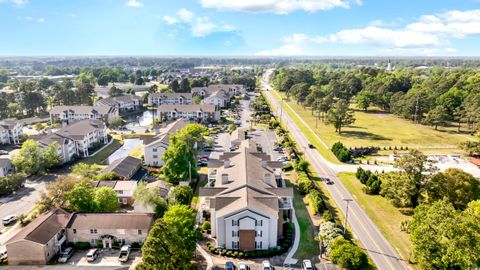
(207, 256)
(289, 259)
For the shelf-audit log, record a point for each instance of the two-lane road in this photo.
(381, 252)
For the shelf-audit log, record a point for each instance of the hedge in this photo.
(341, 152)
(315, 202)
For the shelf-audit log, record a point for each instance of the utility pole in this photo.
(346, 216)
(190, 170)
(416, 111)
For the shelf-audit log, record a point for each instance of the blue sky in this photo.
(240, 27)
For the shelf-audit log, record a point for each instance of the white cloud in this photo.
(18, 3)
(199, 26)
(41, 20)
(278, 6)
(429, 35)
(134, 3)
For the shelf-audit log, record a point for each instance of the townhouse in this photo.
(121, 103)
(169, 98)
(125, 191)
(192, 112)
(70, 114)
(42, 239)
(153, 148)
(10, 131)
(247, 200)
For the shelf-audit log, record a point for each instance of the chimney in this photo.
(264, 164)
(226, 164)
(266, 178)
(224, 178)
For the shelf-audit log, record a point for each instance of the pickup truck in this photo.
(124, 253)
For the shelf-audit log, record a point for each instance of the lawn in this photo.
(105, 153)
(376, 128)
(386, 217)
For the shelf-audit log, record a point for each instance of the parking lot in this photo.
(106, 258)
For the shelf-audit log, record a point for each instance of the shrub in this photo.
(81, 245)
(206, 226)
(341, 152)
(241, 254)
(347, 255)
(229, 253)
(327, 216)
(135, 245)
(315, 202)
(287, 167)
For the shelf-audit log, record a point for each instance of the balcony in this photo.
(60, 238)
(285, 203)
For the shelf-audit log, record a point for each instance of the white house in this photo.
(66, 148)
(121, 103)
(246, 198)
(154, 148)
(193, 112)
(10, 131)
(169, 98)
(69, 114)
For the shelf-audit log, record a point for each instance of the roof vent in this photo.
(224, 178)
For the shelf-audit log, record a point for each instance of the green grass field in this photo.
(105, 153)
(386, 217)
(375, 128)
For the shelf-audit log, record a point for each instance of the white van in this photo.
(9, 220)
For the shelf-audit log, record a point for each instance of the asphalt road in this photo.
(381, 252)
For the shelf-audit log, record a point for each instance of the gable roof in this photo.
(79, 129)
(164, 135)
(82, 109)
(114, 101)
(170, 95)
(186, 108)
(111, 221)
(44, 227)
(124, 166)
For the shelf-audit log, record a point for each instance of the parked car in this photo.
(311, 146)
(92, 255)
(283, 159)
(229, 266)
(307, 265)
(3, 254)
(8, 220)
(328, 181)
(277, 148)
(243, 266)
(65, 255)
(266, 265)
(3, 152)
(124, 253)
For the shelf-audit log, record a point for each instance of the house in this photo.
(66, 148)
(247, 200)
(107, 228)
(5, 167)
(125, 190)
(121, 103)
(40, 240)
(69, 114)
(125, 167)
(153, 148)
(169, 98)
(43, 238)
(193, 112)
(163, 190)
(10, 131)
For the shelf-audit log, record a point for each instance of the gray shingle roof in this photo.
(124, 166)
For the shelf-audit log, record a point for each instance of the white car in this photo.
(266, 265)
(9, 220)
(243, 266)
(307, 265)
(124, 253)
(65, 255)
(3, 254)
(282, 159)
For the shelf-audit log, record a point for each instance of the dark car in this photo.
(229, 266)
(328, 181)
(311, 146)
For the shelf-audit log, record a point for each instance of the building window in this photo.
(93, 241)
(235, 233)
(155, 156)
(258, 245)
(74, 231)
(93, 231)
(234, 223)
(234, 245)
(154, 149)
(258, 233)
(258, 222)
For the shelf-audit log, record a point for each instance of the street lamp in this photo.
(346, 216)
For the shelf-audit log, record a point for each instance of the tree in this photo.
(151, 198)
(444, 238)
(105, 200)
(179, 160)
(11, 182)
(437, 116)
(174, 86)
(363, 100)
(456, 186)
(328, 231)
(115, 121)
(86, 170)
(196, 100)
(114, 91)
(340, 115)
(347, 255)
(103, 80)
(139, 81)
(81, 197)
(302, 165)
(85, 84)
(33, 159)
(184, 86)
(181, 195)
(171, 242)
(56, 193)
(399, 189)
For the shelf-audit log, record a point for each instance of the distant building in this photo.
(153, 148)
(121, 103)
(125, 191)
(169, 98)
(69, 114)
(192, 112)
(10, 131)
(124, 167)
(66, 147)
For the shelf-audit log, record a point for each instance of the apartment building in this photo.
(169, 98)
(66, 148)
(70, 114)
(192, 112)
(247, 199)
(10, 131)
(121, 103)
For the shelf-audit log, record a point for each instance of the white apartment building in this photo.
(193, 112)
(246, 198)
(169, 98)
(10, 131)
(121, 103)
(66, 148)
(69, 114)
